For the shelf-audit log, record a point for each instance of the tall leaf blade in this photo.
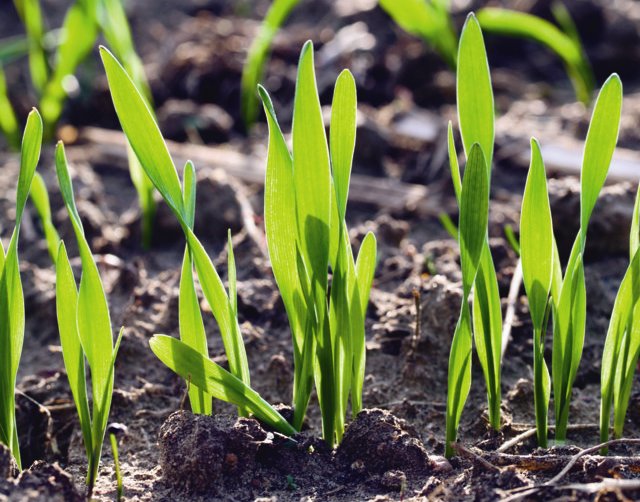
(342, 136)
(474, 91)
(536, 237)
(311, 170)
(143, 133)
(474, 214)
(364, 271)
(72, 353)
(599, 146)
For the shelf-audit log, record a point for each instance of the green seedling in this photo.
(474, 214)
(537, 253)
(310, 186)
(116, 30)
(85, 332)
(253, 69)
(569, 297)
(476, 119)
(40, 199)
(193, 364)
(11, 297)
(565, 44)
(327, 323)
(622, 345)
(428, 19)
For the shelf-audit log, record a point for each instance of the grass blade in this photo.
(537, 253)
(253, 69)
(11, 296)
(142, 131)
(214, 380)
(427, 19)
(72, 353)
(565, 46)
(598, 148)
(40, 198)
(474, 91)
(474, 214)
(364, 270)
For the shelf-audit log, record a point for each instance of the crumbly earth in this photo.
(391, 451)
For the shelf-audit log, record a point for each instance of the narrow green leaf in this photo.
(536, 238)
(78, 35)
(143, 133)
(11, 296)
(218, 301)
(258, 53)
(474, 91)
(364, 270)
(521, 24)
(599, 146)
(72, 353)
(311, 171)
(429, 20)
(216, 381)
(40, 198)
(94, 323)
(342, 136)
(474, 215)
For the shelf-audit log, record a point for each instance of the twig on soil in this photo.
(531, 431)
(588, 451)
(416, 333)
(606, 484)
(602, 463)
(463, 451)
(512, 299)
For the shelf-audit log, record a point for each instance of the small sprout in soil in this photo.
(85, 331)
(115, 430)
(622, 345)
(12, 313)
(476, 119)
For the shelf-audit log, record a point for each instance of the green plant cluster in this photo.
(324, 284)
(552, 293)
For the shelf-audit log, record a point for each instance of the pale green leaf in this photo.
(142, 131)
(599, 146)
(342, 136)
(216, 381)
(474, 91)
(536, 238)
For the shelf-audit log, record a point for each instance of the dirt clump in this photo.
(377, 442)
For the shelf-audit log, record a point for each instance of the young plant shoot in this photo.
(85, 331)
(569, 297)
(328, 337)
(474, 218)
(310, 186)
(537, 252)
(622, 345)
(476, 118)
(188, 357)
(11, 297)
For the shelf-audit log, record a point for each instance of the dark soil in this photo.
(193, 52)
